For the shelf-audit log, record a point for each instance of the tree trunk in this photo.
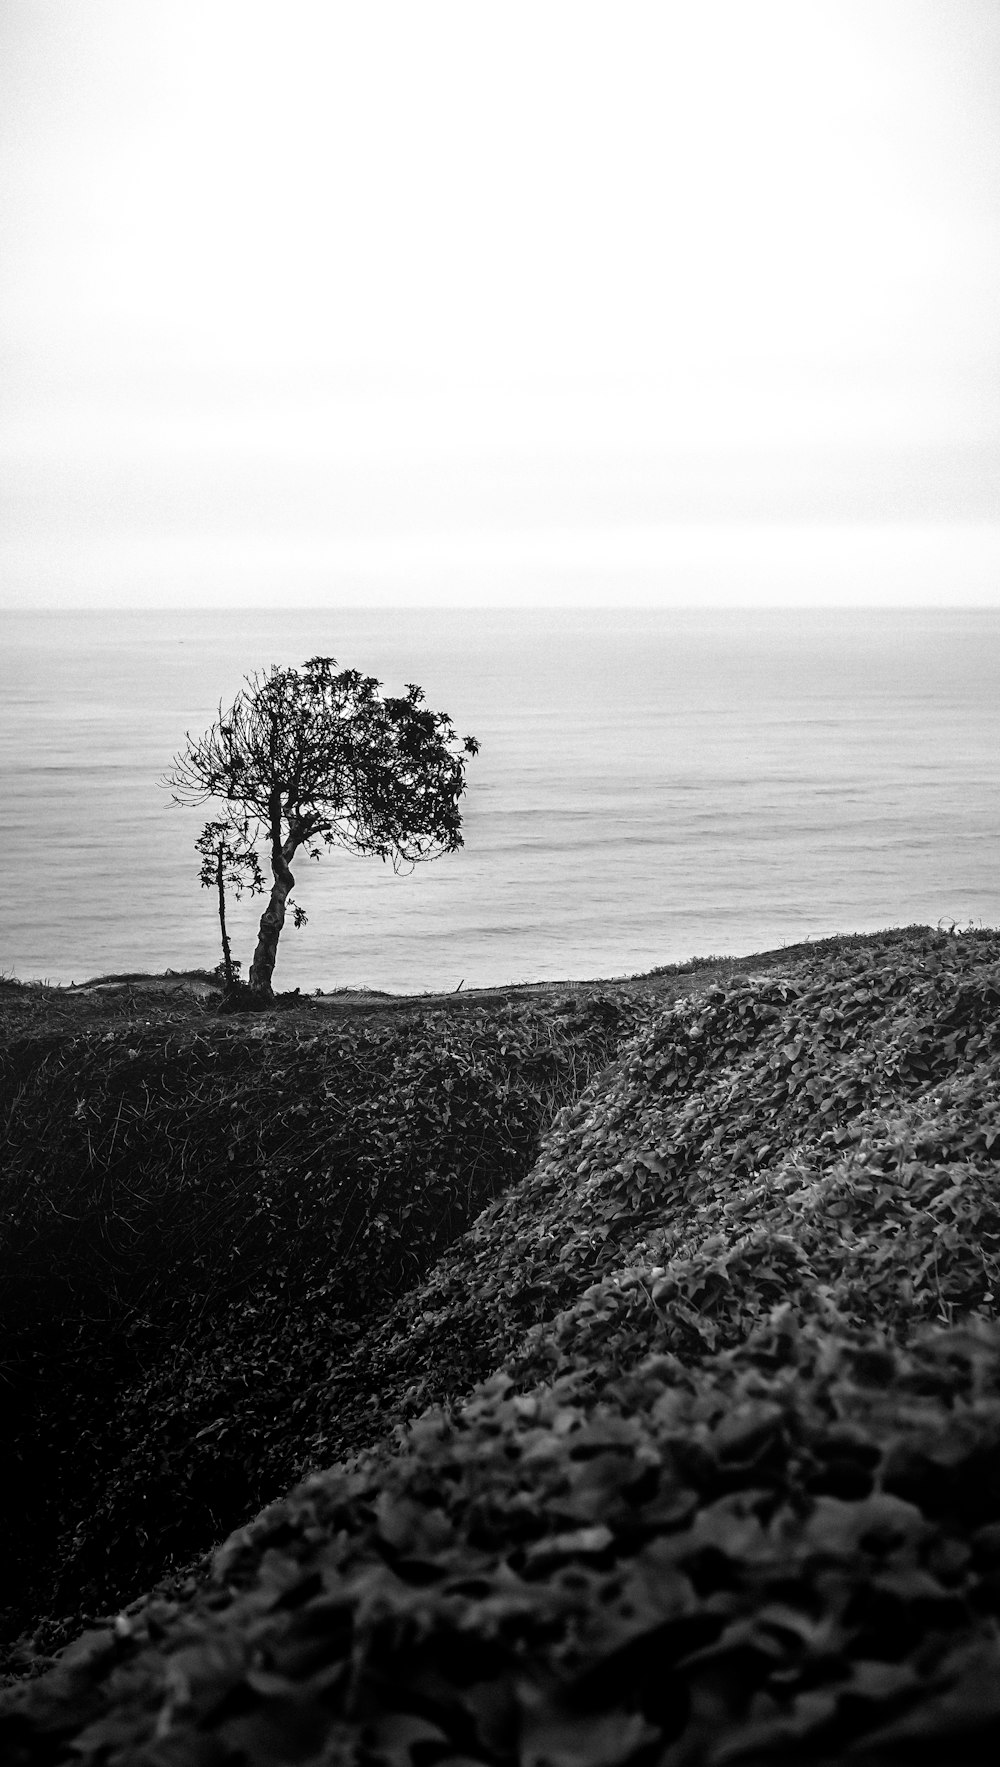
(271, 921)
(227, 956)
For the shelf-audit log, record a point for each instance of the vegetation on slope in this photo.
(732, 1490)
(792, 1557)
(198, 1217)
(827, 1137)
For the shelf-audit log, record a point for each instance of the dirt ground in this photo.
(172, 990)
(179, 993)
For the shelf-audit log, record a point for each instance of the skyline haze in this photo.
(549, 302)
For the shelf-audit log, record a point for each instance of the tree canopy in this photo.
(312, 758)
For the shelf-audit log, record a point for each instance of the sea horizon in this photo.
(654, 785)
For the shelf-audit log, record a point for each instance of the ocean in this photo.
(652, 785)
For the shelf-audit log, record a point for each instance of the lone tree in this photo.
(309, 758)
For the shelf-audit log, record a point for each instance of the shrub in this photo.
(198, 1221)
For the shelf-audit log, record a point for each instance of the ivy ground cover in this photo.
(199, 1218)
(730, 1488)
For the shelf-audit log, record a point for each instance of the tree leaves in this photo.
(310, 758)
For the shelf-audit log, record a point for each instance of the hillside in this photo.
(729, 1487)
(200, 1214)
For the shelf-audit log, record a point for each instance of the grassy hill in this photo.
(728, 1487)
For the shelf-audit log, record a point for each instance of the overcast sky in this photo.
(486, 300)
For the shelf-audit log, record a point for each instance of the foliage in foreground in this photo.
(198, 1221)
(829, 1136)
(792, 1557)
(733, 1493)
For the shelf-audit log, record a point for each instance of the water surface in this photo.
(651, 785)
